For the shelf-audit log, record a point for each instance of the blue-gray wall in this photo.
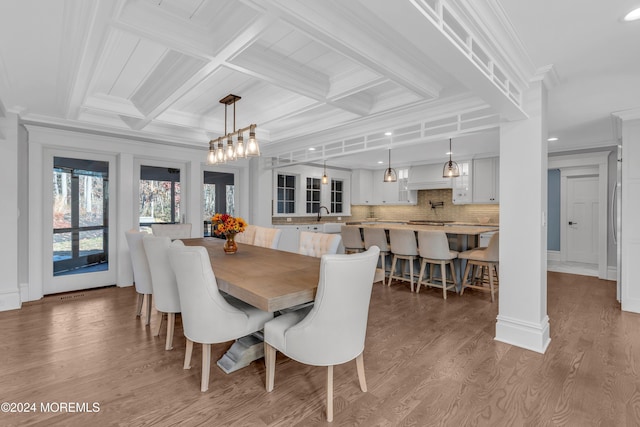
(553, 208)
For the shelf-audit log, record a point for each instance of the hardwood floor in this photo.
(428, 362)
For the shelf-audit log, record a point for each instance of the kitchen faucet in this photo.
(320, 211)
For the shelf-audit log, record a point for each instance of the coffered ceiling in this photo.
(331, 75)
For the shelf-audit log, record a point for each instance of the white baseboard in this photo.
(553, 256)
(612, 273)
(530, 336)
(10, 300)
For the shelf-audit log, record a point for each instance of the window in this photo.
(159, 195)
(336, 195)
(218, 196)
(313, 195)
(286, 194)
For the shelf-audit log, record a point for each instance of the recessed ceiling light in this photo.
(381, 162)
(388, 133)
(553, 138)
(633, 15)
(312, 149)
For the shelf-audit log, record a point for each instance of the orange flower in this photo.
(225, 224)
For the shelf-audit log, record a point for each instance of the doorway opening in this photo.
(218, 196)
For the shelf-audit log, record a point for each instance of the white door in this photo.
(582, 219)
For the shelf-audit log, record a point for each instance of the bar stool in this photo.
(351, 239)
(484, 258)
(377, 237)
(404, 247)
(434, 250)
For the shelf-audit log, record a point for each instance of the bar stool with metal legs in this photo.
(487, 259)
(351, 239)
(404, 247)
(434, 250)
(377, 237)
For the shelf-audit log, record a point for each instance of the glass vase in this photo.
(230, 246)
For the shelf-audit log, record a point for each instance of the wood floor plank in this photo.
(427, 361)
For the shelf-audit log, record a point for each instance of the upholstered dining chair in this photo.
(208, 317)
(433, 247)
(141, 273)
(267, 237)
(333, 330)
(318, 244)
(487, 259)
(173, 231)
(163, 280)
(351, 239)
(247, 236)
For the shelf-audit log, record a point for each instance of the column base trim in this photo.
(10, 301)
(530, 336)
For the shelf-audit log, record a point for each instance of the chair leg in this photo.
(140, 301)
(360, 367)
(330, 393)
(206, 366)
(443, 277)
(411, 272)
(453, 276)
(490, 268)
(423, 266)
(270, 365)
(393, 269)
(149, 301)
(187, 355)
(157, 333)
(171, 323)
(465, 276)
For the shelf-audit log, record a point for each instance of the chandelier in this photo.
(219, 152)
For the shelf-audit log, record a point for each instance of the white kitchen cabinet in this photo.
(462, 191)
(393, 193)
(362, 187)
(486, 180)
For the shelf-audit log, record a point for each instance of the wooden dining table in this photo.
(268, 279)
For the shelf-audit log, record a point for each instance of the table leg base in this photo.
(244, 351)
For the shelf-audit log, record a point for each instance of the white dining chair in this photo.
(173, 231)
(351, 239)
(487, 260)
(404, 247)
(207, 317)
(434, 250)
(267, 237)
(333, 330)
(318, 244)
(141, 273)
(163, 280)
(247, 236)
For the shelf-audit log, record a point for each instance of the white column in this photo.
(10, 213)
(128, 179)
(522, 313)
(630, 206)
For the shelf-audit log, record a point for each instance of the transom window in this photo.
(286, 194)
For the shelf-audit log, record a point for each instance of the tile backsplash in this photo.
(422, 210)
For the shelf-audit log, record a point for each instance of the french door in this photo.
(81, 240)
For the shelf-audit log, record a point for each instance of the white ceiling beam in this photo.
(365, 43)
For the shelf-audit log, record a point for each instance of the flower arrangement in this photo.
(225, 225)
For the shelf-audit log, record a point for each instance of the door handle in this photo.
(573, 223)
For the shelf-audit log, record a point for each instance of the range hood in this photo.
(427, 177)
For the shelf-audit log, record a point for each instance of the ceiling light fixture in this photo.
(451, 168)
(390, 174)
(325, 178)
(634, 15)
(552, 138)
(218, 153)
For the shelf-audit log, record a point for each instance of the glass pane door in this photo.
(80, 216)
